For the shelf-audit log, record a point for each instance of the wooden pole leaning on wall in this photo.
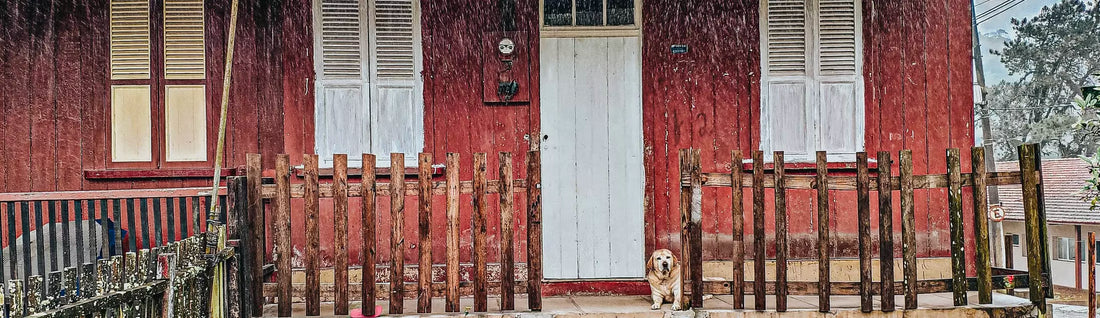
(340, 232)
(823, 237)
(283, 248)
(397, 233)
(738, 215)
(534, 231)
(369, 219)
(981, 226)
(507, 251)
(955, 211)
(886, 231)
(1033, 224)
(480, 222)
(781, 250)
(759, 257)
(452, 170)
(313, 235)
(908, 230)
(424, 266)
(863, 207)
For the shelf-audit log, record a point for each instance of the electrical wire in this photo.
(996, 7)
(1002, 11)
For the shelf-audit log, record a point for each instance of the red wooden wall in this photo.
(916, 65)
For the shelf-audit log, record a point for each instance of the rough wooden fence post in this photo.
(480, 222)
(453, 231)
(534, 231)
(1092, 274)
(863, 208)
(737, 212)
(781, 250)
(166, 269)
(823, 237)
(369, 219)
(424, 204)
(241, 223)
(759, 258)
(397, 233)
(255, 214)
(1033, 225)
(908, 230)
(507, 251)
(312, 200)
(283, 248)
(981, 226)
(886, 231)
(954, 207)
(340, 232)
(690, 215)
(17, 298)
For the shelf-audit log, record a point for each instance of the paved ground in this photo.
(638, 306)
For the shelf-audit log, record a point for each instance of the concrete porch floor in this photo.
(930, 305)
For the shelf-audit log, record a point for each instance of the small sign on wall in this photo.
(679, 48)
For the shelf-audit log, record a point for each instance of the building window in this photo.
(1015, 239)
(158, 97)
(613, 17)
(369, 87)
(812, 85)
(1067, 249)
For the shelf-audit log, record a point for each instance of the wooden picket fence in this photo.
(250, 224)
(904, 184)
(156, 269)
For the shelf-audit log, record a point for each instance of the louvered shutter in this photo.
(397, 107)
(812, 87)
(184, 40)
(787, 122)
(343, 123)
(130, 39)
(839, 81)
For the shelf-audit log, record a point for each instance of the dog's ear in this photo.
(675, 260)
(649, 263)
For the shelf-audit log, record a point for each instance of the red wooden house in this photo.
(120, 94)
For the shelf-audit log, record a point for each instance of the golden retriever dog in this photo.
(663, 274)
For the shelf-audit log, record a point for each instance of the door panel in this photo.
(593, 182)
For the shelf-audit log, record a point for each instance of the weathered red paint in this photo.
(917, 96)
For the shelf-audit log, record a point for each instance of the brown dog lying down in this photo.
(663, 274)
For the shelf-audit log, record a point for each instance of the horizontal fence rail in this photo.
(278, 195)
(863, 182)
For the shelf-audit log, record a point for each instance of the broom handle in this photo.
(219, 153)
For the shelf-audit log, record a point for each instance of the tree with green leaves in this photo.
(1053, 55)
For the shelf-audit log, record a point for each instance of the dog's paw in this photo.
(676, 306)
(655, 307)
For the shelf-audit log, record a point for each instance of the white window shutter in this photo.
(397, 104)
(812, 87)
(343, 123)
(130, 39)
(839, 79)
(184, 40)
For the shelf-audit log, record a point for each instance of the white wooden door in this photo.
(593, 179)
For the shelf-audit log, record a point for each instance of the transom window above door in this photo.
(572, 16)
(369, 90)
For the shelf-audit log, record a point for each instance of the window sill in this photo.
(182, 173)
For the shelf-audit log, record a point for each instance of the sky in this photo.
(995, 71)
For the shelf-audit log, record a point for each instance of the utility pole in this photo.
(997, 235)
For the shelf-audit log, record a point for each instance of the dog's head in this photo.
(662, 262)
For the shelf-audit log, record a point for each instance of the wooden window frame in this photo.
(158, 84)
(814, 77)
(575, 31)
(1060, 244)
